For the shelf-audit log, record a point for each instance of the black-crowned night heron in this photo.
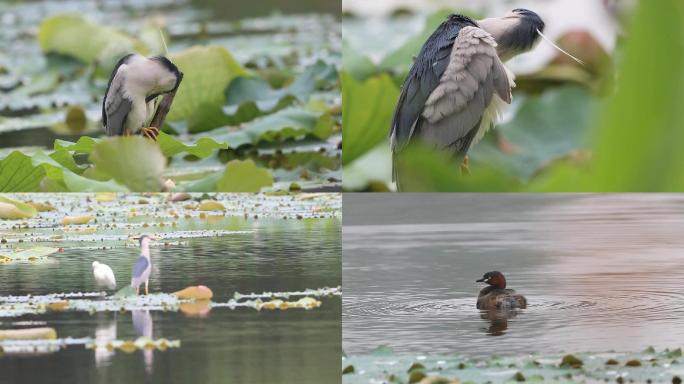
(135, 82)
(143, 266)
(104, 276)
(458, 84)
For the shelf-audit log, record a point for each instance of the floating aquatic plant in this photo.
(92, 302)
(548, 368)
(32, 255)
(129, 346)
(336, 291)
(303, 303)
(40, 346)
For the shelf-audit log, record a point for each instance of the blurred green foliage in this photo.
(366, 106)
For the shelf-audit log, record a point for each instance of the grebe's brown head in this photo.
(494, 278)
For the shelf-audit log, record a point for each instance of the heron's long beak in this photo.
(151, 237)
(559, 48)
(482, 280)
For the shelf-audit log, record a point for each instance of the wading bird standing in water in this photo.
(104, 276)
(135, 82)
(458, 84)
(143, 266)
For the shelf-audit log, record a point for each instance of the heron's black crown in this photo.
(143, 237)
(167, 64)
(524, 36)
(163, 60)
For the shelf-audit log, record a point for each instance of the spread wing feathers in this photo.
(116, 106)
(453, 111)
(139, 268)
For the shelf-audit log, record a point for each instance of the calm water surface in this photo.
(600, 272)
(237, 346)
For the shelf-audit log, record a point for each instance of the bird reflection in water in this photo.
(105, 332)
(498, 320)
(142, 323)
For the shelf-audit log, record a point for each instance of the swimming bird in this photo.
(136, 81)
(458, 85)
(143, 266)
(104, 276)
(496, 296)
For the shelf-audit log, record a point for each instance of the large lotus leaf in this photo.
(77, 183)
(207, 71)
(423, 169)
(286, 124)
(61, 178)
(133, 161)
(244, 176)
(84, 144)
(204, 147)
(370, 172)
(638, 143)
(207, 183)
(250, 110)
(250, 97)
(356, 64)
(367, 109)
(640, 137)
(15, 210)
(18, 174)
(547, 127)
(40, 172)
(73, 35)
(66, 160)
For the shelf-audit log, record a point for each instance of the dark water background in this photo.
(236, 346)
(600, 272)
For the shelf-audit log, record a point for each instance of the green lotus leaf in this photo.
(207, 71)
(15, 210)
(203, 147)
(251, 97)
(367, 109)
(244, 176)
(286, 124)
(133, 161)
(75, 36)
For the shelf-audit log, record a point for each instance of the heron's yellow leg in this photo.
(147, 292)
(465, 169)
(151, 133)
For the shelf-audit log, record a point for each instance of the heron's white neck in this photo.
(145, 249)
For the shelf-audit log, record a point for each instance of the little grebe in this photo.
(496, 296)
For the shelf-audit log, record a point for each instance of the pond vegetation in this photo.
(258, 107)
(219, 262)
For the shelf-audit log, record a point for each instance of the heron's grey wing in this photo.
(116, 106)
(140, 266)
(457, 107)
(421, 81)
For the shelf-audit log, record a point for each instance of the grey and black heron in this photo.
(135, 82)
(458, 84)
(143, 266)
